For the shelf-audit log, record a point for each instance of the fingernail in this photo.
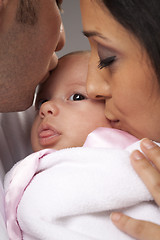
(136, 155)
(148, 144)
(115, 216)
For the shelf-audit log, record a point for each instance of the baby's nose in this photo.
(48, 108)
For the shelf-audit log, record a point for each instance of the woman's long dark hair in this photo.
(141, 18)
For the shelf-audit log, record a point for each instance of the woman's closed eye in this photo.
(77, 97)
(106, 55)
(106, 62)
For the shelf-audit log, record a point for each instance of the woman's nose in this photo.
(48, 109)
(61, 41)
(97, 86)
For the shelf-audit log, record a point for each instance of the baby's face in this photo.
(65, 114)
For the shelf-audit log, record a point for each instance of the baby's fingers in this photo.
(140, 230)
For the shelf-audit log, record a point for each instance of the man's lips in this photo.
(45, 78)
(48, 135)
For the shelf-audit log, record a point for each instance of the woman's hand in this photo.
(150, 175)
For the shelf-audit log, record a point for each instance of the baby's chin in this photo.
(37, 149)
(59, 145)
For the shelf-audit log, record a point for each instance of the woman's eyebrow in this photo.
(94, 33)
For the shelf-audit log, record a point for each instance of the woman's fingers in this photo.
(149, 174)
(148, 168)
(152, 151)
(140, 230)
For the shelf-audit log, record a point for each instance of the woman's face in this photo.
(121, 73)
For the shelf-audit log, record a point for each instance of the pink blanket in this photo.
(69, 194)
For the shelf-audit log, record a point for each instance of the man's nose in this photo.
(97, 86)
(61, 41)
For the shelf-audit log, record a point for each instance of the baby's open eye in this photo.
(39, 103)
(77, 97)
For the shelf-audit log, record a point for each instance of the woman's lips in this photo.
(48, 136)
(114, 123)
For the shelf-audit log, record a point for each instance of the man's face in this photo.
(29, 37)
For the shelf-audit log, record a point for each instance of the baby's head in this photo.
(65, 114)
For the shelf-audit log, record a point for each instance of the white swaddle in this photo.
(70, 193)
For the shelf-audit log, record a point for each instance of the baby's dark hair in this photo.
(142, 19)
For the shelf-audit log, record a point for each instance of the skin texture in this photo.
(27, 52)
(132, 95)
(63, 121)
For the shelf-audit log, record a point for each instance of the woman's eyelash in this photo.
(106, 62)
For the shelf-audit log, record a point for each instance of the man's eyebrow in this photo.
(93, 33)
